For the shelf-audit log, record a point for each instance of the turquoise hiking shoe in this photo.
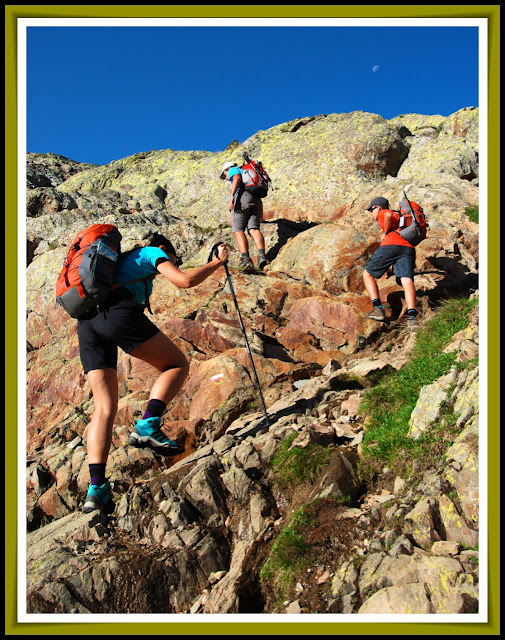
(147, 433)
(99, 497)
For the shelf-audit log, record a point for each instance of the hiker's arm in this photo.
(192, 277)
(234, 186)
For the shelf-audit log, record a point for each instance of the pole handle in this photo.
(214, 253)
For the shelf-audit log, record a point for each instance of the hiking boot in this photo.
(247, 265)
(377, 314)
(262, 262)
(98, 497)
(412, 322)
(147, 433)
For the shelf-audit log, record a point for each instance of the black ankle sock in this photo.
(412, 312)
(97, 473)
(155, 408)
(377, 303)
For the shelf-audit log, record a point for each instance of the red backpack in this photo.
(89, 271)
(255, 178)
(412, 225)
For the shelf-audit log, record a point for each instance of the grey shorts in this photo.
(249, 213)
(401, 258)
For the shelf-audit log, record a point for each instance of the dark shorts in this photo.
(402, 259)
(123, 325)
(249, 214)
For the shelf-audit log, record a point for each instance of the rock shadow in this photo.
(458, 281)
(286, 229)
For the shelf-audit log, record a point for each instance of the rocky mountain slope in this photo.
(192, 534)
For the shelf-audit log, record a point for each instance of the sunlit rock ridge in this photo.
(197, 528)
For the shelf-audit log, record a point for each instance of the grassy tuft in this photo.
(288, 556)
(473, 213)
(300, 464)
(389, 405)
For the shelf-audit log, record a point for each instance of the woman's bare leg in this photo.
(104, 387)
(160, 352)
(258, 238)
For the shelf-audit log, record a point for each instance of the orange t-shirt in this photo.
(393, 237)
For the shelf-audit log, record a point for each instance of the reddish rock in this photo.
(293, 339)
(52, 504)
(264, 324)
(37, 330)
(184, 432)
(334, 321)
(210, 384)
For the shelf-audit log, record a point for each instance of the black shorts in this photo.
(123, 325)
(401, 258)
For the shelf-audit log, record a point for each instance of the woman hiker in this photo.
(121, 322)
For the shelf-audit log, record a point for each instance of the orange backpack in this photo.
(89, 271)
(412, 224)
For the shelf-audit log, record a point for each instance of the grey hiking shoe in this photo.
(262, 262)
(412, 322)
(377, 314)
(247, 265)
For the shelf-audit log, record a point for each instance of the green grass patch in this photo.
(473, 213)
(389, 405)
(288, 557)
(299, 464)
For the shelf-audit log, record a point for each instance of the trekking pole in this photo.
(214, 252)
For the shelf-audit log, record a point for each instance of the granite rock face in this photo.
(198, 525)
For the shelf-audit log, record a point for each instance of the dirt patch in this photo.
(332, 538)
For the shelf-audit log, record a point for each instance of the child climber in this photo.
(393, 251)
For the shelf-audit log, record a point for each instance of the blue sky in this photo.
(98, 94)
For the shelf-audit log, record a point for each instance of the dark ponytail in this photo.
(159, 239)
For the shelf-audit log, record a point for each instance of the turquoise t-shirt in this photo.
(139, 264)
(233, 171)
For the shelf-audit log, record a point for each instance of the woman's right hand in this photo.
(222, 252)
(192, 277)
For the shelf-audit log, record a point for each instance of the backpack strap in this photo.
(414, 215)
(148, 304)
(116, 286)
